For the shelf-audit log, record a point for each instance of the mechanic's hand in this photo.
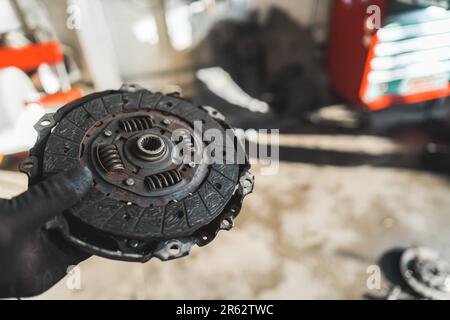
(30, 264)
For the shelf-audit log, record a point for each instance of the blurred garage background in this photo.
(358, 89)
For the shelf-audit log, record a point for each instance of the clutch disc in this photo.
(145, 202)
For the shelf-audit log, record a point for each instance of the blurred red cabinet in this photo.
(405, 61)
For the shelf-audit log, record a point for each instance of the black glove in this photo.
(30, 263)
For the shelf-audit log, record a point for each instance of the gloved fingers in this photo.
(46, 200)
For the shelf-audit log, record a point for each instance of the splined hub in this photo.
(150, 147)
(145, 202)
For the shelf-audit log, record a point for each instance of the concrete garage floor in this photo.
(310, 232)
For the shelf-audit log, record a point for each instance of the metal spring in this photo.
(136, 124)
(163, 180)
(110, 158)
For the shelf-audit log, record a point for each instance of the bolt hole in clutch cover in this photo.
(143, 202)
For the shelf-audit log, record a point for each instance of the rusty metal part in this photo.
(136, 124)
(109, 158)
(163, 180)
(150, 147)
(143, 203)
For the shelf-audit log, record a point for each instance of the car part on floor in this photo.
(143, 203)
(426, 273)
(221, 84)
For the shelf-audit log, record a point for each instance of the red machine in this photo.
(30, 57)
(406, 60)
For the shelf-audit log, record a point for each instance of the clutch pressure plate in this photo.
(146, 199)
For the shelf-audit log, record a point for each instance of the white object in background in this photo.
(96, 42)
(220, 83)
(17, 120)
(48, 78)
(8, 18)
